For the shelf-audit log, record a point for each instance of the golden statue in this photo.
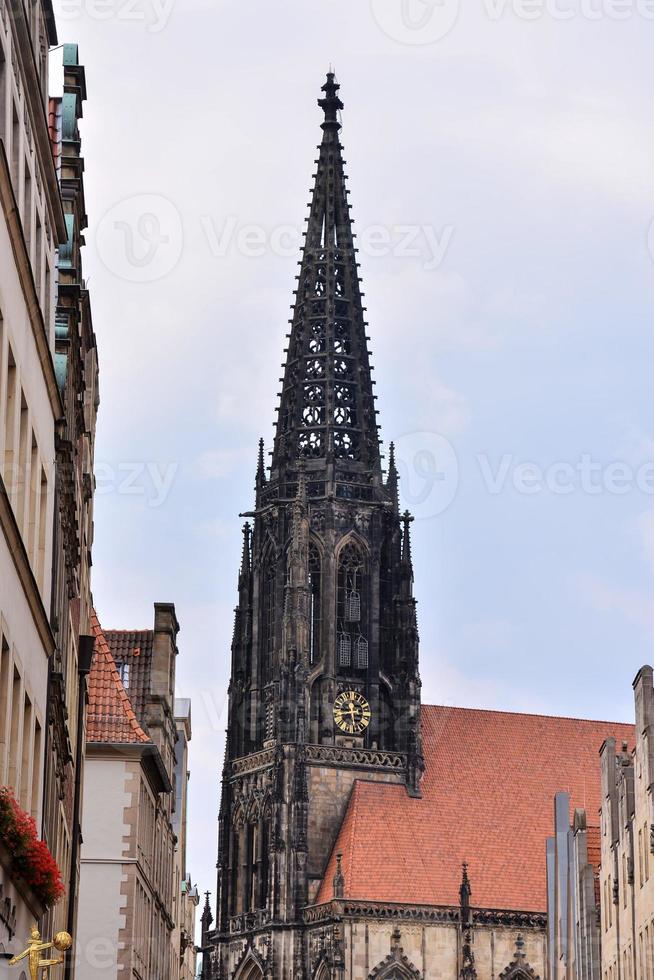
(62, 941)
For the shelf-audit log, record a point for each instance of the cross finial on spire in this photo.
(331, 103)
(406, 537)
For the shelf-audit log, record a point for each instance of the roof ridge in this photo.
(530, 714)
(140, 629)
(103, 659)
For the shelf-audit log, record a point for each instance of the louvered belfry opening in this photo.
(326, 413)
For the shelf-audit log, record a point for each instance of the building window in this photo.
(352, 610)
(265, 864)
(22, 465)
(268, 618)
(610, 901)
(234, 872)
(5, 705)
(43, 528)
(36, 769)
(123, 673)
(645, 853)
(315, 586)
(10, 423)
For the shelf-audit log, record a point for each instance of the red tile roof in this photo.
(110, 716)
(488, 798)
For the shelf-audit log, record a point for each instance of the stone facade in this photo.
(627, 845)
(187, 897)
(129, 895)
(76, 365)
(325, 608)
(573, 901)
(31, 226)
(347, 807)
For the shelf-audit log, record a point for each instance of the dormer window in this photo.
(123, 673)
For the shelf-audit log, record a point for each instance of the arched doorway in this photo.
(249, 969)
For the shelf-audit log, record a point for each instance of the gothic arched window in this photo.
(315, 612)
(268, 608)
(352, 611)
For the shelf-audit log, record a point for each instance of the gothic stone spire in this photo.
(327, 414)
(325, 602)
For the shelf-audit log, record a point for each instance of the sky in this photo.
(500, 156)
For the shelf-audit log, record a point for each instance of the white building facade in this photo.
(31, 227)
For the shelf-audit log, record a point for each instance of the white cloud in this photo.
(645, 530)
(216, 464)
(635, 605)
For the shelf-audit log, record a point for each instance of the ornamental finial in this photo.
(331, 103)
(339, 878)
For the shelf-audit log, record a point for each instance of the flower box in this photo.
(26, 858)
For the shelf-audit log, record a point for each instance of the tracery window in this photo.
(352, 611)
(315, 611)
(268, 609)
(233, 873)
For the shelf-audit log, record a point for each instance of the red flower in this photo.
(31, 859)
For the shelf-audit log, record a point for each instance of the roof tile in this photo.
(110, 716)
(488, 794)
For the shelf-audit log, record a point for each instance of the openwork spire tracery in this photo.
(326, 412)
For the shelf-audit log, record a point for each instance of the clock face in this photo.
(351, 712)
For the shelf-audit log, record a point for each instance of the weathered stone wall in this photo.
(329, 792)
(433, 950)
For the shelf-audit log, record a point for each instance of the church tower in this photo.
(324, 685)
